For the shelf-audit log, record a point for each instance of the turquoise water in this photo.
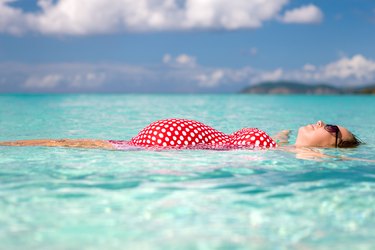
(59, 198)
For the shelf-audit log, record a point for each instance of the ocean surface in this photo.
(64, 198)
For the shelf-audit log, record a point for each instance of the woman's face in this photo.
(315, 135)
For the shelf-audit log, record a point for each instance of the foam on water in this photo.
(192, 199)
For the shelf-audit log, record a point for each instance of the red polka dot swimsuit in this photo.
(190, 134)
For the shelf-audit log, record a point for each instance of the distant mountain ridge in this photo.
(287, 87)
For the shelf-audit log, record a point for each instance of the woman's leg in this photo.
(75, 143)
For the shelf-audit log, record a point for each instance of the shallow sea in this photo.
(63, 198)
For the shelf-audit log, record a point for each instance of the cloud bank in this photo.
(305, 14)
(85, 17)
(180, 73)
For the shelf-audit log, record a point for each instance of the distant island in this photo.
(286, 87)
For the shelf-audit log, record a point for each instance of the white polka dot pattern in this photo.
(252, 138)
(183, 133)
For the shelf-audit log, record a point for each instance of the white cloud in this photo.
(274, 75)
(43, 82)
(89, 79)
(305, 14)
(185, 60)
(358, 67)
(309, 67)
(230, 14)
(212, 79)
(72, 80)
(70, 77)
(355, 71)
(167, 58)
(83, 17)
(182, 60)
(12, 20)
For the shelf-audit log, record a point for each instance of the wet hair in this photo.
(351, 143)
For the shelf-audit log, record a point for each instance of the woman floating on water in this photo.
(190, 134)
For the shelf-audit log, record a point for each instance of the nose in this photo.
(320, 123)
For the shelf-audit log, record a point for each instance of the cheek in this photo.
(318, 138)
(324, 139)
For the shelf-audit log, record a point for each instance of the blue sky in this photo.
(193, 46)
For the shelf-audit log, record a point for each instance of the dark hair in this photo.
(351, 143)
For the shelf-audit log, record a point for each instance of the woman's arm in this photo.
(316, 155)
(74, 143)
(282, 137)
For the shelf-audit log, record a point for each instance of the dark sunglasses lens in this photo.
(331, 128)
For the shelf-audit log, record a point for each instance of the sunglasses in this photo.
(332, 129)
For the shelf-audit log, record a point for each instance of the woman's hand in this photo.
(282, 137)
